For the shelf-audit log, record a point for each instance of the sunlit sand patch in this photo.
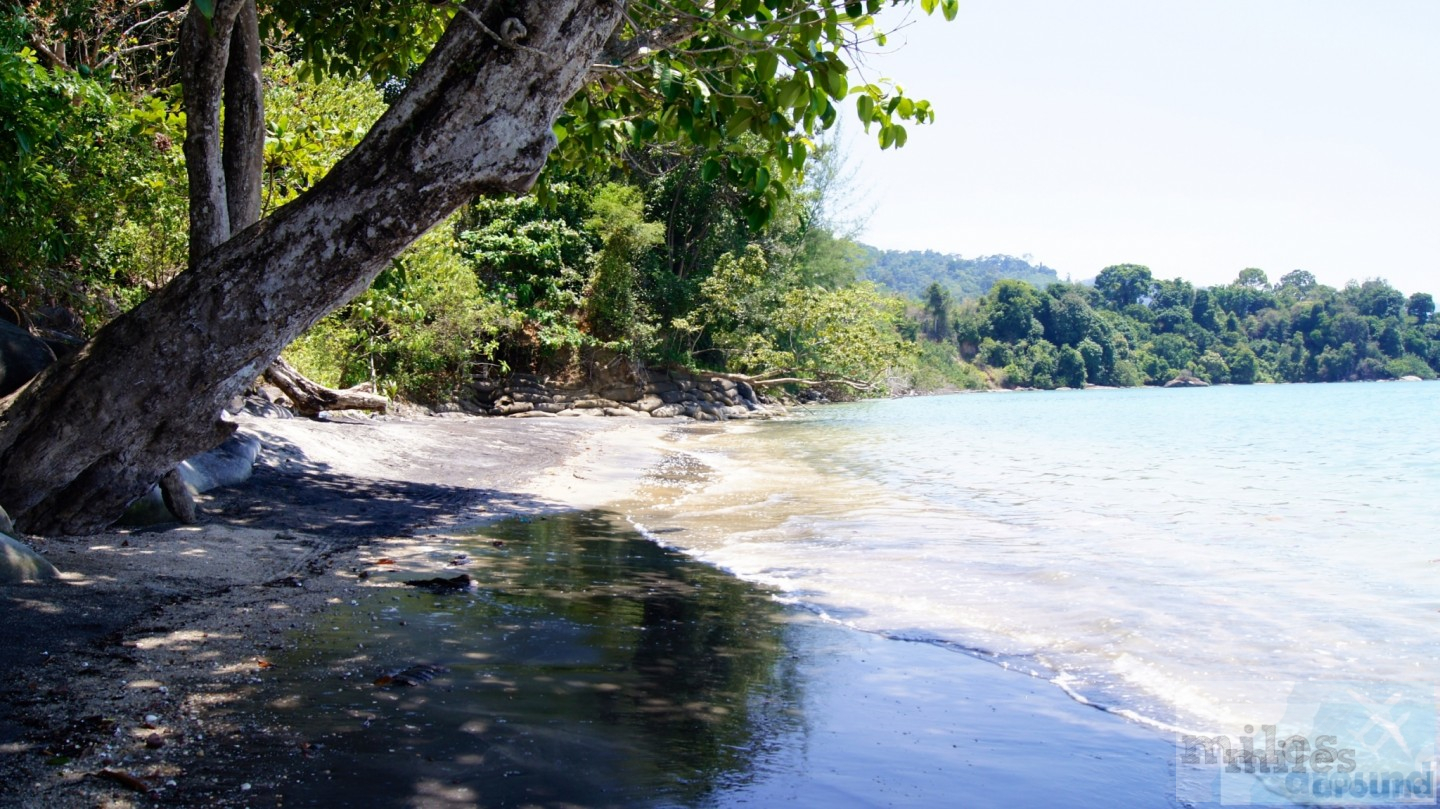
(439, 793)
(42, 607)
(182, 640)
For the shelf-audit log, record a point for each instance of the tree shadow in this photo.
(55, 637)
(290, 492)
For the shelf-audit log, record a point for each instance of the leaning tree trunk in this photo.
(90, 435)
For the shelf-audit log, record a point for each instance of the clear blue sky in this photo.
(1197, 137)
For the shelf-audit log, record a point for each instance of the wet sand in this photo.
(236, 664)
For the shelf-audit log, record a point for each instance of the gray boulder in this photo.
(1187, 382)
(22, 356)
(19, 563)
(228, 464)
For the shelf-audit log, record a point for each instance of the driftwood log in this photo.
(312, 398)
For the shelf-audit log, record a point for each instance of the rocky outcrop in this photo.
(631, 392)
(22, 357)
(1187, 382)
(19, 563)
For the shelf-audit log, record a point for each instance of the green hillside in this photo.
(912, 271)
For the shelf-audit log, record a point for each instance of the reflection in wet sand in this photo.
(588, 667)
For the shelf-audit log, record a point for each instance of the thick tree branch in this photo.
(620, 52)
(54, 60)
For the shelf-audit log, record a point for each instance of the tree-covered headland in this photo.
(1129, 328)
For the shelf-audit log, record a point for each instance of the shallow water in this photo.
(1175, 556)
(589, 668)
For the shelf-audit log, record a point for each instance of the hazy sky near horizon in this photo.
(1197, 137)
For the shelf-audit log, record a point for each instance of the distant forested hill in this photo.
(912, 271)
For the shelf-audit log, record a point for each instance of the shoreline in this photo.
(125, 665)
(177, 626)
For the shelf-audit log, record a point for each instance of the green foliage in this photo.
(1070, 368)
(848, 332)
(613, 310)
(828, 260)
(731, 313)
(534, 259)
(418, 330)
(1034, 365)
(1066, 316)
(1374, 298)
(910, 272)
(755, 319)
(1010, 311)
(938, 367)
(682, 219)
(309, 126)
(1244, 367)
(1421, 306)
(424, 322)
(1253, 278)
(344, 39)
(720, 109)
(85, 186)
(1124, 285)
(1410, 365)
(1092, 356)
(749, 84)
(147, 244)
(939, 319)
(1136, 330)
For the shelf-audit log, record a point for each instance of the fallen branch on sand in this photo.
(311, 398)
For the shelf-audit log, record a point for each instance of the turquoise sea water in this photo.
(1175, 556)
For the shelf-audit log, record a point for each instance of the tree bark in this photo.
(177, 497)
(244, 145)
(311, 398)
(91, 434)
(204, 60)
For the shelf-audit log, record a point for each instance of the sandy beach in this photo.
(242, 661)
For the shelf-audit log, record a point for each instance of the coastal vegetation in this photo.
(1129, 328)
